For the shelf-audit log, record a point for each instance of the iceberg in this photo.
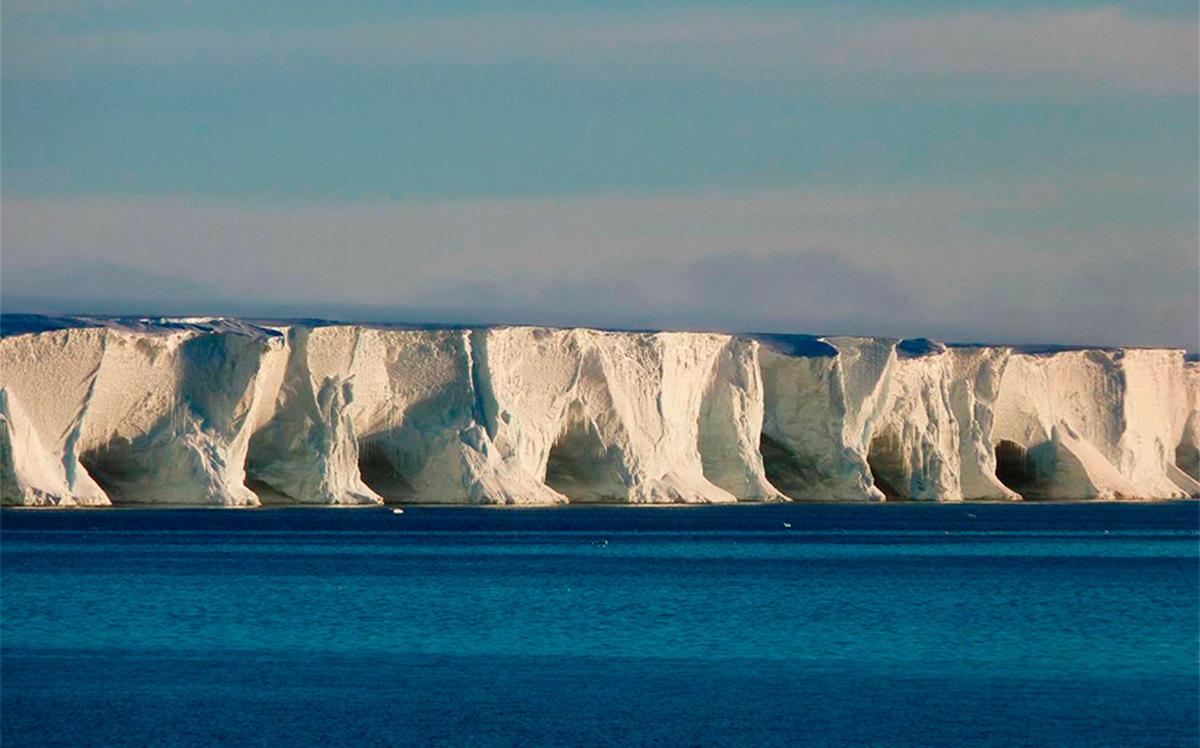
(227, 412)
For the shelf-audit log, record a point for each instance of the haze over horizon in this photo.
(1017, 172)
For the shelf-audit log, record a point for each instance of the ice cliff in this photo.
(224, 412)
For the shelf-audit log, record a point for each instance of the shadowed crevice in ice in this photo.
(886, 461)
(1013, 467)
(268, 495)
(379, 471)
(581, 468)
(791, 473)
(1030, 471)
(118, 470)
(1187, 457)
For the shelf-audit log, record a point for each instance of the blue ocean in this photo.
(801, 624)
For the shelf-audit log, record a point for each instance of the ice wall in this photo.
(934, 441)
(222, 412)
(1096, 424)
(104, 414)
(628, 417)
(1187, 450)
(822, 402)
(47, 385)
(368, 415)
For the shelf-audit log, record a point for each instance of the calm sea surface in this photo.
(891, 625)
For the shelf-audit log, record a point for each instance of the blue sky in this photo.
(1015, 171)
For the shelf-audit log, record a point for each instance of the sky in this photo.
(1010, 172)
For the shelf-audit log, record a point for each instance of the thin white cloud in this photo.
(379, 244)
(902, 262)
(1086, 52)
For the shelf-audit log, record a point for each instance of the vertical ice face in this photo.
(914, 451)
(47, 382)
(1089, 424)
(933, 441)
(1186, 471)
(367, 415)
(822, 404)
(221, 412)
(168, 419)
(731, 420)
(134, 417)
(619, 416)
(305, 449)
(1154, 388)
(412, 401)
(418, 410)
(976, 373)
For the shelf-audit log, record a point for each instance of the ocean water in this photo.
(889, 625)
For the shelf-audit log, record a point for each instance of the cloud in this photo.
(782, 292)
(909, 263)
(798, 290)
(1076, 52)
(103, 287)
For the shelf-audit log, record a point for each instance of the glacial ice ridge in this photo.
(225, 412)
